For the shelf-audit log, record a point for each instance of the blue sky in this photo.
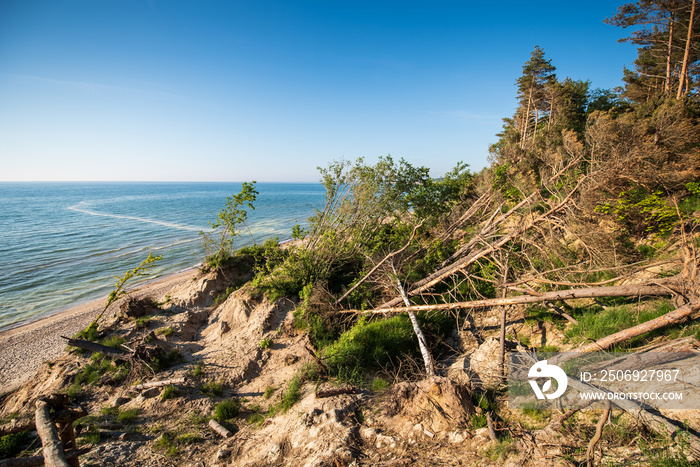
(177, 90)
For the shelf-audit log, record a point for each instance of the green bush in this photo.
(169, 392)
(212, 389)
(228, 409)
(265, 343)
(371, 345)
(12, 444)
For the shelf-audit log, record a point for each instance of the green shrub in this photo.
(13, 444)
(371, 345)
(114, 341)
(212, 389)
(189, 438)
(265, 343)
(127, 417)
(227, 409)
(169, 392)
(89, 334)
(380, 384)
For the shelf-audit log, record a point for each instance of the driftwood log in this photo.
(53, 447)
(157, 384)
(39, 460)
(220, 429)
(95, 347)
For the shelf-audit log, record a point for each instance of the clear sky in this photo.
(268, 90)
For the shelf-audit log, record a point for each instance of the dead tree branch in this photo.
(667, 286)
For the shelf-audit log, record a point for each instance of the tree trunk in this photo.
(220, 429)
(669, 286)
(53, 447)
(667, 86)
(673, 317)
(427, 359)
(684, 69)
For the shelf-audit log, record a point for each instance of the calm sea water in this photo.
(63, 243)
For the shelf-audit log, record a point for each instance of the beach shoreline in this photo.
(24, 348)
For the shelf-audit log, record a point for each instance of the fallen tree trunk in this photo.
(53, 447)
(65, 415)
(157, 384)
(672, 317)
(39, 460)
(220, 429)
(463, 263)
(95, 347)
(669, 286)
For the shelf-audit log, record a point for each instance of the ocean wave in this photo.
(171, 225)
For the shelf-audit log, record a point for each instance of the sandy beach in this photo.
(23, 349)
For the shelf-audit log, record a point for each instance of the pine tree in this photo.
(535, 95)
(668, 51)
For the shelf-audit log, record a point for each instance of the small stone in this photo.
(121, 400)
(368, 434)
(152, 392)
(482, 433)
(455, 437)
(222, 454)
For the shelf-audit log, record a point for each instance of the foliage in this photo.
(642, 212)
(265, 343)
(227, 409)
(12, 444)
(212, 389)
(119, 288)
(169, 392)
(229, 222)
(371, 345)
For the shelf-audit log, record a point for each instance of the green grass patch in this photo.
(189, 438)
(166, 443)
(165, 332)
(212, 389)
(598, 323)
(227, 409)
(127, 417)
(370, 345)
(380, 385)
(265, 343)
(169, 392)
(13, 444)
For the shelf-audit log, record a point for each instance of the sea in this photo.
(63, 244)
